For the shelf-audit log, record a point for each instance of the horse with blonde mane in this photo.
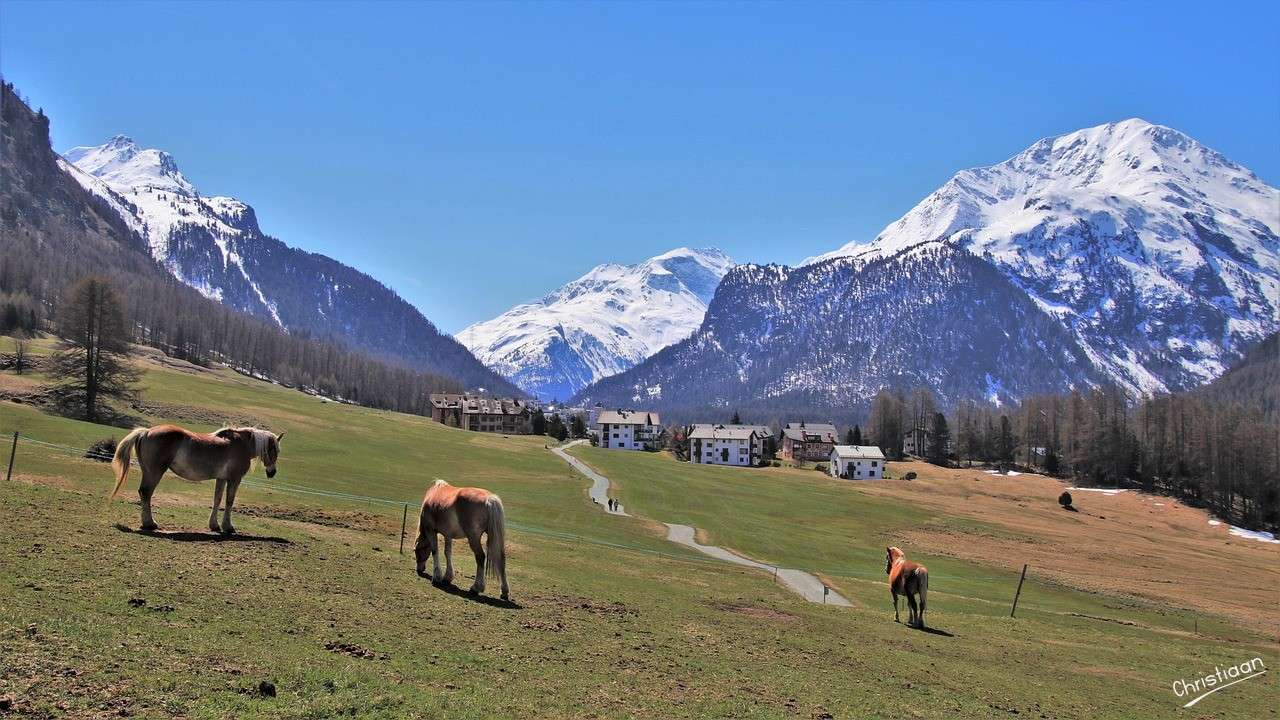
(906, 578)
(224, 455)
(456, 512)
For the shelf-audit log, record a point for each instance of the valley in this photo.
(612, 619)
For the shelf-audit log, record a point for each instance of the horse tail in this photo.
(923, 576)
(496, 530)
(124, 455)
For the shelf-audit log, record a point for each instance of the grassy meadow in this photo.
(610, 619)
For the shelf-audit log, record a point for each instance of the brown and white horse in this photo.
(457, 513)
(906, 578)
(224, 455)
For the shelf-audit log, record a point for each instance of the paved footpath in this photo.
(798, 581)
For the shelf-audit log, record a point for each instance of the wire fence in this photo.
(288, 488)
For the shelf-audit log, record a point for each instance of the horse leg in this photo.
(232, 487)
(448, 560)
(478, 549)
(147, 488)
(219, 486)
(436, 576)
(896, 617)
(914, 612)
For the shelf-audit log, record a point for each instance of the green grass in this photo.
(614, 621)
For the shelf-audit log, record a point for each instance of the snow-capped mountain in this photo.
(600, 324)
(1136, 254)
(214, 244)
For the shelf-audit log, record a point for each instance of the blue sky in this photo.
(475, 155)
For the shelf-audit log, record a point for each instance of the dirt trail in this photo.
(800, 582)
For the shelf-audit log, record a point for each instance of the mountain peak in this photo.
(124, 166)
(601, 323)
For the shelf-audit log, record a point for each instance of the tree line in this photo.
(1219, 454)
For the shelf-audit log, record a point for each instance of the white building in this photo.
(628, 429)
(738, 445)
(857, 462)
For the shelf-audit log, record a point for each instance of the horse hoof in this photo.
(228, 531)
(504, 596)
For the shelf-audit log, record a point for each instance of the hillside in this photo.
(1254, 382)
(1140, 258)
(215, 245)
(610, 619)
(600, 324)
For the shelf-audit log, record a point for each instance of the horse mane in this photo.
(261, 438)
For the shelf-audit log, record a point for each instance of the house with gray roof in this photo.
(856, 462)
(736, 445)
(628, 429)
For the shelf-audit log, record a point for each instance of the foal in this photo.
(456, 513)
(224, 455)
(906, 578)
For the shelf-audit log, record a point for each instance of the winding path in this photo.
(800, 582)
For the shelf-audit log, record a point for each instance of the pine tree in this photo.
(941, 438)
(91, 363)
(856, 438)
(539, 422)
(737, 419)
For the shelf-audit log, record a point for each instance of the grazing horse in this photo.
(456, 513)
(906, 578)
(224, 455)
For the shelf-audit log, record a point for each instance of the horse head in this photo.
(891, 556)
(272, 453)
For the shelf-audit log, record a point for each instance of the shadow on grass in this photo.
(473, 597)
(190, 536)
(935, 631)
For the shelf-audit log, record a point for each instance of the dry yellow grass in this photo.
(1134, 544)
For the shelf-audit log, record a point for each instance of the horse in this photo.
(223, 455)
(457, 512)
(906, 578)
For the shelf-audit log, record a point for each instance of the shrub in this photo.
(909, 476)
(1065, 500)
(820, 467)
(103, 450)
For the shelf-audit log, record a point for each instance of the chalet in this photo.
(856, 462)
(628, 429)
(919, 442)
(482, 413)
(811, 441)
(738, 445)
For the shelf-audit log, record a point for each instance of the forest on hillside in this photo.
(1212, 448)
(53, 233)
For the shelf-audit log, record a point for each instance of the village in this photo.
(732, 444)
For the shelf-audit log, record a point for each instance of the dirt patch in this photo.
(756, 612)
(348, 519)
(353, 650)
(195, 415)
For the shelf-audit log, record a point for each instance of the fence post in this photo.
(403, 521)
(13, 451)
(825, 591)
(1019, 592)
